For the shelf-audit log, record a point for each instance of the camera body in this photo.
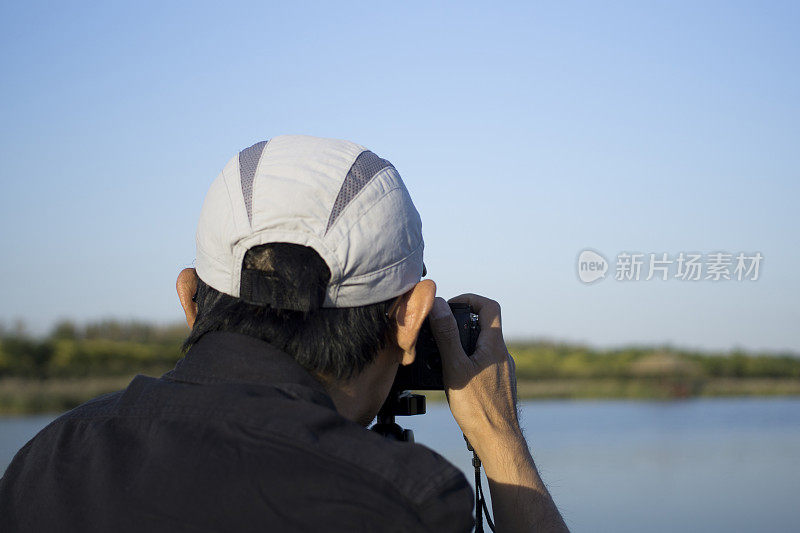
(425, 373)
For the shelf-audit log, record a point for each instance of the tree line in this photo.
(115, 348)
(107, 348)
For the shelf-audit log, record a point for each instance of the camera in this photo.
(425, 373)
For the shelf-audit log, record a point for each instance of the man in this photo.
(307, 296)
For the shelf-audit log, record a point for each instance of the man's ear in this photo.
(187, 287)
(411, 311)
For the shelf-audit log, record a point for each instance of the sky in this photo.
(525, 132)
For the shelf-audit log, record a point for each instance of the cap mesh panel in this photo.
(364, 168)
(248, 161)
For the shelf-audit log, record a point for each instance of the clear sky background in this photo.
(525, 133)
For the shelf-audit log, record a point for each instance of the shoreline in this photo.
(23, 396)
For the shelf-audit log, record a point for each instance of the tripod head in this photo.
(398, 403)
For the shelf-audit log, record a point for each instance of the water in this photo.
(698, 465)
(15, 431)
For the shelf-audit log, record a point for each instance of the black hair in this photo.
(335, 342)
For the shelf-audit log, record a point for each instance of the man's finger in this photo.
(445, 332)
(489, 319)
(488, 311)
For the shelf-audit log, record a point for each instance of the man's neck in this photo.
(360, 397)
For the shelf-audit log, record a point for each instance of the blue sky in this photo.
(525, 133)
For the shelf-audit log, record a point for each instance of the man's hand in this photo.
(482, 392)
(481, 389)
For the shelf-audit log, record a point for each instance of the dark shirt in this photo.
(238, 437)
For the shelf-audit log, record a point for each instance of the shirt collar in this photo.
(225, 357)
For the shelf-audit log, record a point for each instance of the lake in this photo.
(630, 466)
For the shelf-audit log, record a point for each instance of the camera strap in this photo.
(480, 498)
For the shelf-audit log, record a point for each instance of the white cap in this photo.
(334, 196)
